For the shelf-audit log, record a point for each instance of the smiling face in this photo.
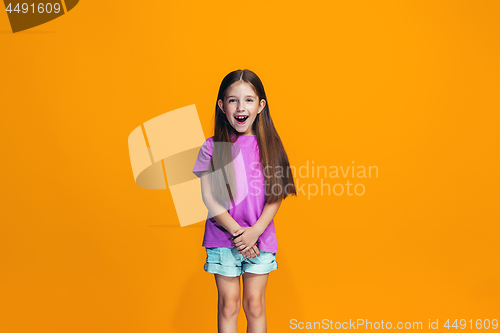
(241, 106)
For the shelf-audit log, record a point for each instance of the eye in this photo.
(249, 100)
(232, 100)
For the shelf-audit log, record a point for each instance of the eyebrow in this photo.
(245, 96)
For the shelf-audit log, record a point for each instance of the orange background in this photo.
(410, 87)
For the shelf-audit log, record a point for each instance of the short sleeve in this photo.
(204, 156)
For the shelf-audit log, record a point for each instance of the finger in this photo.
(249, 253)
(256, 250)
(238, 232)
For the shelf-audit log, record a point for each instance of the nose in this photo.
(241, 107)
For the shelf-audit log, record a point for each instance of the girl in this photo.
(245, 175)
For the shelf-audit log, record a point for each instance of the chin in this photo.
(241, 130)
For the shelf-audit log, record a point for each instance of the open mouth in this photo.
(241, 119)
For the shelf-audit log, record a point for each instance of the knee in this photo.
(254, 307)
(229, 306)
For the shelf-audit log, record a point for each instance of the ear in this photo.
(221, 105)
(262, 105)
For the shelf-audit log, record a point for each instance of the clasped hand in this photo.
(245, 240)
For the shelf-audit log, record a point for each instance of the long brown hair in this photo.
(272, 152)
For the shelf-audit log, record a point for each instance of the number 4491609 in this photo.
(479, 324)
(41, 8)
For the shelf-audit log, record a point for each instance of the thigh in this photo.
(254, 285)
(228, 287)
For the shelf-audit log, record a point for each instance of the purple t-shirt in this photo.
(250, 199)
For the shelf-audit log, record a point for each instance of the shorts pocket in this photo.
(214, 255)
(269, 258)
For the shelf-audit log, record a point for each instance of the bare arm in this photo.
(216, 210)
(267, 216)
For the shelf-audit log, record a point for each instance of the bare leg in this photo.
(229, 303)
(254, 288)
